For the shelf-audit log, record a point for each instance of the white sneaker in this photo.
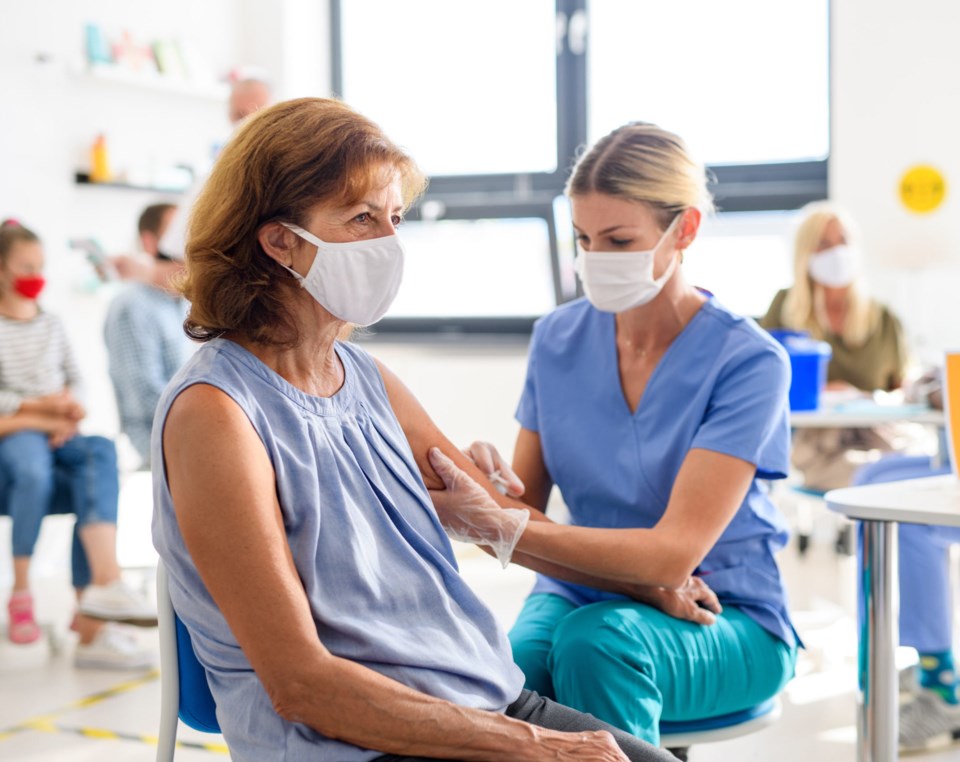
(909, 683)
(928, 722)
(113, 647)
(117, 602)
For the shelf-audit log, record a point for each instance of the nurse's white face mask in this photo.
(615, 281)
(835, 267)
(355, 281)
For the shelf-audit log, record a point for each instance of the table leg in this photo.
(877, 715)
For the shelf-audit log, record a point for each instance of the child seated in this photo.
(47, 466)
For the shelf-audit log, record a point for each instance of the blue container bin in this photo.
(808, 364)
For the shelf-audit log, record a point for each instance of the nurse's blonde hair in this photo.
(804, 307)
(642, 162)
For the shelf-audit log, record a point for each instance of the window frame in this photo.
(735, 187)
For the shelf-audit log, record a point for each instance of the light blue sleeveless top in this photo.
(379, 572)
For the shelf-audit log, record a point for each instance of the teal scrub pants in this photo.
(631, 665)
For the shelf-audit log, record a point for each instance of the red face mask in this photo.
(29, 286)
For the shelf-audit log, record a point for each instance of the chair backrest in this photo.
(185, 692)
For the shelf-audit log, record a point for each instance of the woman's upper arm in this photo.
(225, 500)
(422, 434)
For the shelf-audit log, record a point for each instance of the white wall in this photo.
(895, 82)
(52, 112)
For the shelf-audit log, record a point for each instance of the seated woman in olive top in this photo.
(827, 300)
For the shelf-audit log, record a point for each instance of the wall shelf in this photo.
(112, 74)
(82, 178)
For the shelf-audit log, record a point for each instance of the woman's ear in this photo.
(278, 242)
(689, 225)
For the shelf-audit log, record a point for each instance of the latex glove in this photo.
(469, 514)
(694, 601)
(487, 458)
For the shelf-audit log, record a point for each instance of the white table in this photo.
(881, 507)
(863, 413)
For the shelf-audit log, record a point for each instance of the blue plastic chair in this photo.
(682, 735)
(184, 691)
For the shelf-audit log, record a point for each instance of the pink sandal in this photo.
(23, 627)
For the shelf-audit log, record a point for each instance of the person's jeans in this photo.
(80, 477)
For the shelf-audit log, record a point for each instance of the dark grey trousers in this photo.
(533, 708)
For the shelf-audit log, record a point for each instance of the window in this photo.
(494, 100)
(743, 258)
(442, 96)
(483, 268)
(755, 95)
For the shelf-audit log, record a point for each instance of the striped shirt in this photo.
(35, 360)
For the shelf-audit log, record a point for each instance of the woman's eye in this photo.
(397, 220)
(362, 217)
(620, 241)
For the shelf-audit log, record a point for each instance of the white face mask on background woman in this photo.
(615, 281)
(835, 267)
(355, 281)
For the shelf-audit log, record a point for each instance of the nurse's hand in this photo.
(694, 601)
(469, 514)
(487, 458)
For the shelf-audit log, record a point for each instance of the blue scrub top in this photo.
(721, 385)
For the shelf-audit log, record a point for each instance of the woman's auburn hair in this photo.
(282, 162)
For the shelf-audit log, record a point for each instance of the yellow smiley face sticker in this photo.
(922, 189)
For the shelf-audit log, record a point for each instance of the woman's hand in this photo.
(61, 432)
(585, 746)
(469, 514)
(487, 458)
(692, 601)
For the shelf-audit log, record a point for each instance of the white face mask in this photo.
(835, 267)
(354, 281)
(615, 281)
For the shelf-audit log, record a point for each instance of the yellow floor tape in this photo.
(46, 723)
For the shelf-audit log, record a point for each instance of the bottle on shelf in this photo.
(100, 161)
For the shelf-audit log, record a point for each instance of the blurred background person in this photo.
(250, 91)
(144, 335)
(828, 300)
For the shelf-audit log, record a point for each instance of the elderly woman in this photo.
(304, 554)
(658, 414)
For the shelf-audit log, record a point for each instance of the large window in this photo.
(743, 81)
(467, 89)
(494, 100)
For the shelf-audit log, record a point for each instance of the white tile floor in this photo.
(50, 712)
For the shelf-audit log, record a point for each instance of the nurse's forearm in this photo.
(629, 557)
(643, 591)
(638, 592)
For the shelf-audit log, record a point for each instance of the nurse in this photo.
(658, 413)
